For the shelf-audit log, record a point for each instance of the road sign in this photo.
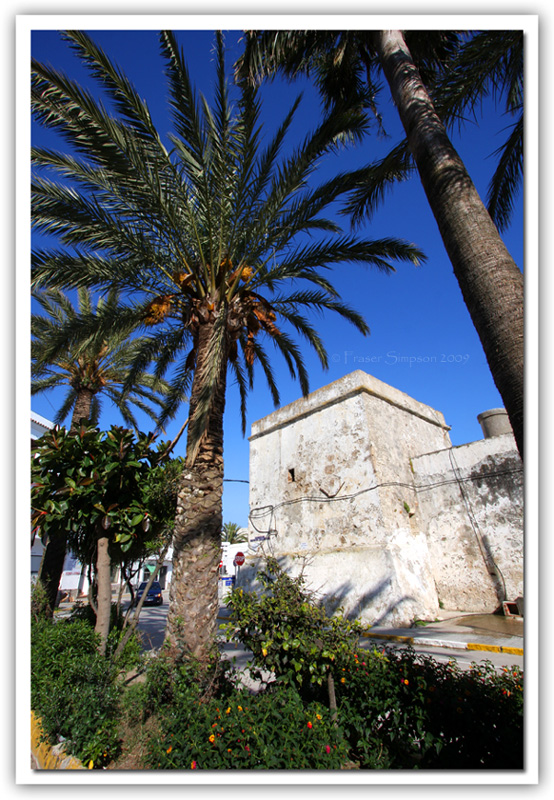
(239, 559)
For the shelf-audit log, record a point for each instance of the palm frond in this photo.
(66, 407)
(218, 228)
(236, 367)
(506, 180)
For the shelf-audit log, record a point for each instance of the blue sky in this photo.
(422, 339)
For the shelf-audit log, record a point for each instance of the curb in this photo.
(44, 755)
(448, 645)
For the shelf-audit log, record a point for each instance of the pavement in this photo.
(455, 631)
(459, 631)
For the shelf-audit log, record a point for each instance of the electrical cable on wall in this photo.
(487, 556)
(262, 511)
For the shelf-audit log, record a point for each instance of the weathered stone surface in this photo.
(471, 507)
(340, 488)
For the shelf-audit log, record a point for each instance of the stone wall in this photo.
(341, 488)
(330, 482)
(470, 505)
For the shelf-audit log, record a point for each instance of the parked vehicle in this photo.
(154, 596)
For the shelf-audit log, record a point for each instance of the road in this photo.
(153, 618)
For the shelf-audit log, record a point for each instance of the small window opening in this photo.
(291, 475)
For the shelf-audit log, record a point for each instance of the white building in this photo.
(359, 485)
(39, 425)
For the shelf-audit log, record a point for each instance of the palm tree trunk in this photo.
(81, 409)
(53, 558)
(491, 283)
(193, 595)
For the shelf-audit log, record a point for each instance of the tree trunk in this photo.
(51, 568)
(53, 558)
(81, 409)
(491, 283)
(134, 622)
(193, 594)
(104, 600)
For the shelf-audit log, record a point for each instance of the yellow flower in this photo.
(228, 710)
(239, 708)
(90, 764)
(343, 680)
(264, 651)
(318, 716)
(211, 738)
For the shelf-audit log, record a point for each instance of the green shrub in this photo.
(395, 710)
(272, 730)
(74, 689)
(39, 601)
(401, 709)
(398, 709)
(131, 655)
(288, 633)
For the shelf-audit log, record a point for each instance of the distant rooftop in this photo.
(39, 425)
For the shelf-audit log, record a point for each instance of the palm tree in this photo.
(79, 349)
(344, 65)
(490, 63)
(232, 533)
(223, 246)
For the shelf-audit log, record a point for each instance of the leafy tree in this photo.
(289, 632)
(94, 488)
(232, 533)
(345, 66)
(81, 349)
(212, 242)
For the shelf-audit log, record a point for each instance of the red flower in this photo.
(327, 749)
(309, 724)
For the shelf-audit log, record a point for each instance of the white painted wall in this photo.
(470, 505)
(334, 491)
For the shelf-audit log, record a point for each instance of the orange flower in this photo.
(169, 749)
(211, 738)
